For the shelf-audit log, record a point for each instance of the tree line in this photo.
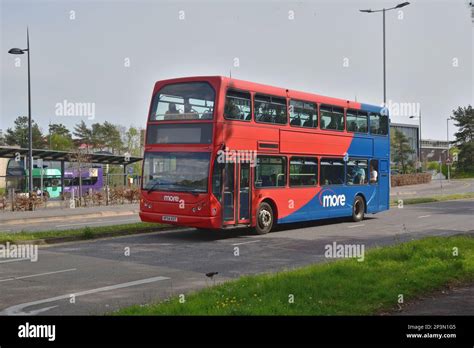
(463, 145)
(96, 137)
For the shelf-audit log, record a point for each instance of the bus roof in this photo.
(267, 89)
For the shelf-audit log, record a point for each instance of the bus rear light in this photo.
(214, 211)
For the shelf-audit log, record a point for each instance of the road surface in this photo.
(63, 219)
(104, 277)
(434, 188)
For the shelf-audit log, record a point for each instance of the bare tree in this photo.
(79, 157)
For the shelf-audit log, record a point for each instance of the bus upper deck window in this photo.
(270, 109)
(378, 124)
(332, 118)
(237, 106)
(184, 101)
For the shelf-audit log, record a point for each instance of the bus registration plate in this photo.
(170, 218)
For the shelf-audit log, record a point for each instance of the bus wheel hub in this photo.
(265, 217)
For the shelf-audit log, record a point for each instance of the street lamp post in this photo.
(448, 160)
(384, 53)
(30, 131)
(420, 158)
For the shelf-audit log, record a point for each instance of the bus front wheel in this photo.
(264, 218)
(358, 209)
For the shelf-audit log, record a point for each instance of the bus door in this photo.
(383, 185)
(236, 197)
(228, 201)
(244, 193)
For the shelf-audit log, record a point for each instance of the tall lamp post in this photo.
(419, 138)
(384, 60)
(448, 158)
(30, 132)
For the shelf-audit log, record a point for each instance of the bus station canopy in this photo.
(66, 156)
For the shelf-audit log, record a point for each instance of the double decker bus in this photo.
(91, 180)
(49, 179)
(222, 153)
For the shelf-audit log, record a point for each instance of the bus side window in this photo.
(378, 124)
(303, 171)
(374, 171)
(270, 109)
(332, 117)
(356, 121)
(356, 171)
(332, 171)
(270, 171)
(237, 106)
(303, 114)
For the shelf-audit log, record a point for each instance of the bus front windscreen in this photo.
(176, 171)
(184, 101)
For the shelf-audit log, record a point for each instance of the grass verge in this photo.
(344, 287)
(440, 198)
(87, 232)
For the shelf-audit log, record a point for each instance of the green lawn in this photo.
(80, 233)
(440, 198)
(344, 287)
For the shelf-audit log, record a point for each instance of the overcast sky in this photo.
(80, 52)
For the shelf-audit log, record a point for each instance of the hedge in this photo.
(410, 179)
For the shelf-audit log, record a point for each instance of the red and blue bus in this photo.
(223, 153)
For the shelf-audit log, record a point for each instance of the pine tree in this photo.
(401, 150)
(464, 120)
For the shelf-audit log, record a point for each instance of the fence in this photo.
(110, 189)
(410, 179)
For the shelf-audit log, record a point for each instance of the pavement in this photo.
(434, 188)
(100, 276)
(456, 301)
(67, 218)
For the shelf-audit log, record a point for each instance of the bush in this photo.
(410, 179)
(87, 233)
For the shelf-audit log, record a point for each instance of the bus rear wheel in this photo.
(358, 209)
(265, 219)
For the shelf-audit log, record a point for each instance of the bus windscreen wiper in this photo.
(152, 188)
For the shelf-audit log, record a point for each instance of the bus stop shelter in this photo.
(65, 156)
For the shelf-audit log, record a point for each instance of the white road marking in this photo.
(14, 260)
(37, 275)
(251, 241)
(19, 308)
(353, 226)
(423, 216)
(97, 222)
